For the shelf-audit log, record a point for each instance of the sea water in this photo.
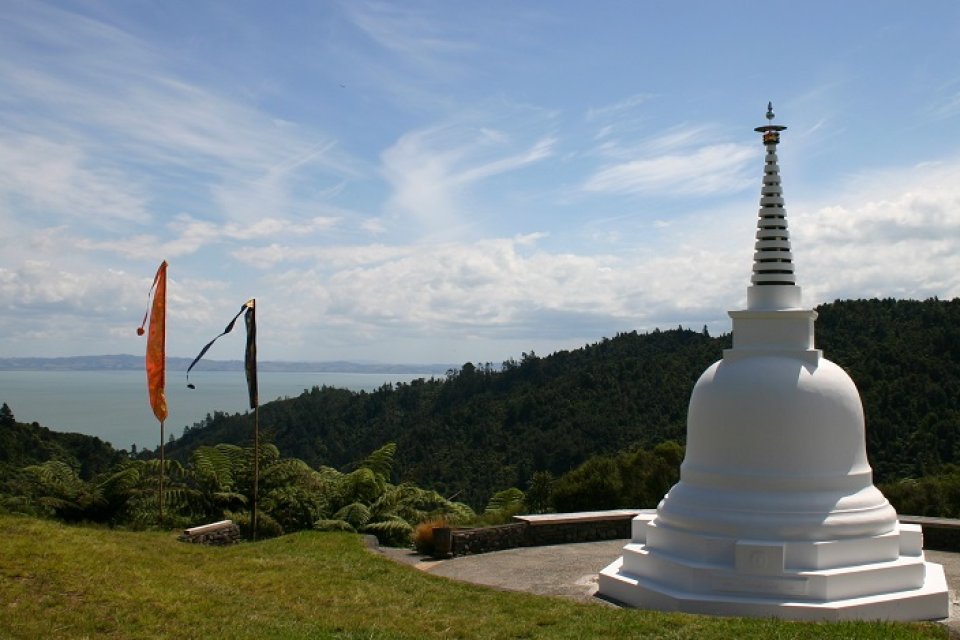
(113, 405)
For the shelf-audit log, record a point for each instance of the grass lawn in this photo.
(59, 581)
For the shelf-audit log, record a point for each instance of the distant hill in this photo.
(482, 429)
(128, 362)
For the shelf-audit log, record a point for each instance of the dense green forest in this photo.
(481, 429)
(486, 428)
(24, 444)
(597, 427)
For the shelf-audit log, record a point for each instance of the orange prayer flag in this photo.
(156, 345)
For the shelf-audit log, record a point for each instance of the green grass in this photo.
(59, 581)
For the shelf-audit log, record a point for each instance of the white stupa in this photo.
(775, 513)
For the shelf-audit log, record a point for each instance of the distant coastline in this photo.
(125, 362)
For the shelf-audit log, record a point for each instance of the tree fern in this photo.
(361, 485)
(284, 471)
(213, 464)
(355, 513)
(505, 500)
(458, 512)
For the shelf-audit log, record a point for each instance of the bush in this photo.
(267, 527)
(594, 485)
(394, 532)
(423, 535)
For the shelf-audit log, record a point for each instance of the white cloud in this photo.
(193, 234)
(48, 298)
(501, 288)
(373, 225)
(893, 234)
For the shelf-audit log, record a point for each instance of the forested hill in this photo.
(23, 444)
(481, 430)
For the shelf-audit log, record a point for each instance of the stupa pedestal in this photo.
(775, 513)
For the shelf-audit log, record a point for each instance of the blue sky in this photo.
(460, 181)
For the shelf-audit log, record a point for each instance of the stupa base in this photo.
(930, 601)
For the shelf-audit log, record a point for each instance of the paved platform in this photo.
(570, 570)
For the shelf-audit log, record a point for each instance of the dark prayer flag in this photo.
(250, 356)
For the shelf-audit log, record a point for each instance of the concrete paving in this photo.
(570, 570)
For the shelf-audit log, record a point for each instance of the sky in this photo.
(449, 181)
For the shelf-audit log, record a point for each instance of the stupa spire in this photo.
(772, 258)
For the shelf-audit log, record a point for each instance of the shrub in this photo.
(423, 535)
(267, 527)
(594, 485)
(394, 532)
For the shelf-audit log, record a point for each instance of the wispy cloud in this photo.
(947, 106)
(59, 179)
(191, 235)
(678, 161)
(617, 110)
(720, 168)
(430, 169)
(119, 106)
(411, 32)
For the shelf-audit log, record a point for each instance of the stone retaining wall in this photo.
(470, 541)
(567, 532)
(564, 528)
(532, 531)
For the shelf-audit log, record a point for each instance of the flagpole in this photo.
(161, 474)
(256, 467)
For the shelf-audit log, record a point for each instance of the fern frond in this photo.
(361, 485)
(390, 532)
(284, 471)
(229, 497)
(458, 512)
(58, 504)
(381, 461)
(214, 464)
(333, 525)
(121, 482)
(53, 472)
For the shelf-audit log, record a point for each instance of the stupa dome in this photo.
(756, 460)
